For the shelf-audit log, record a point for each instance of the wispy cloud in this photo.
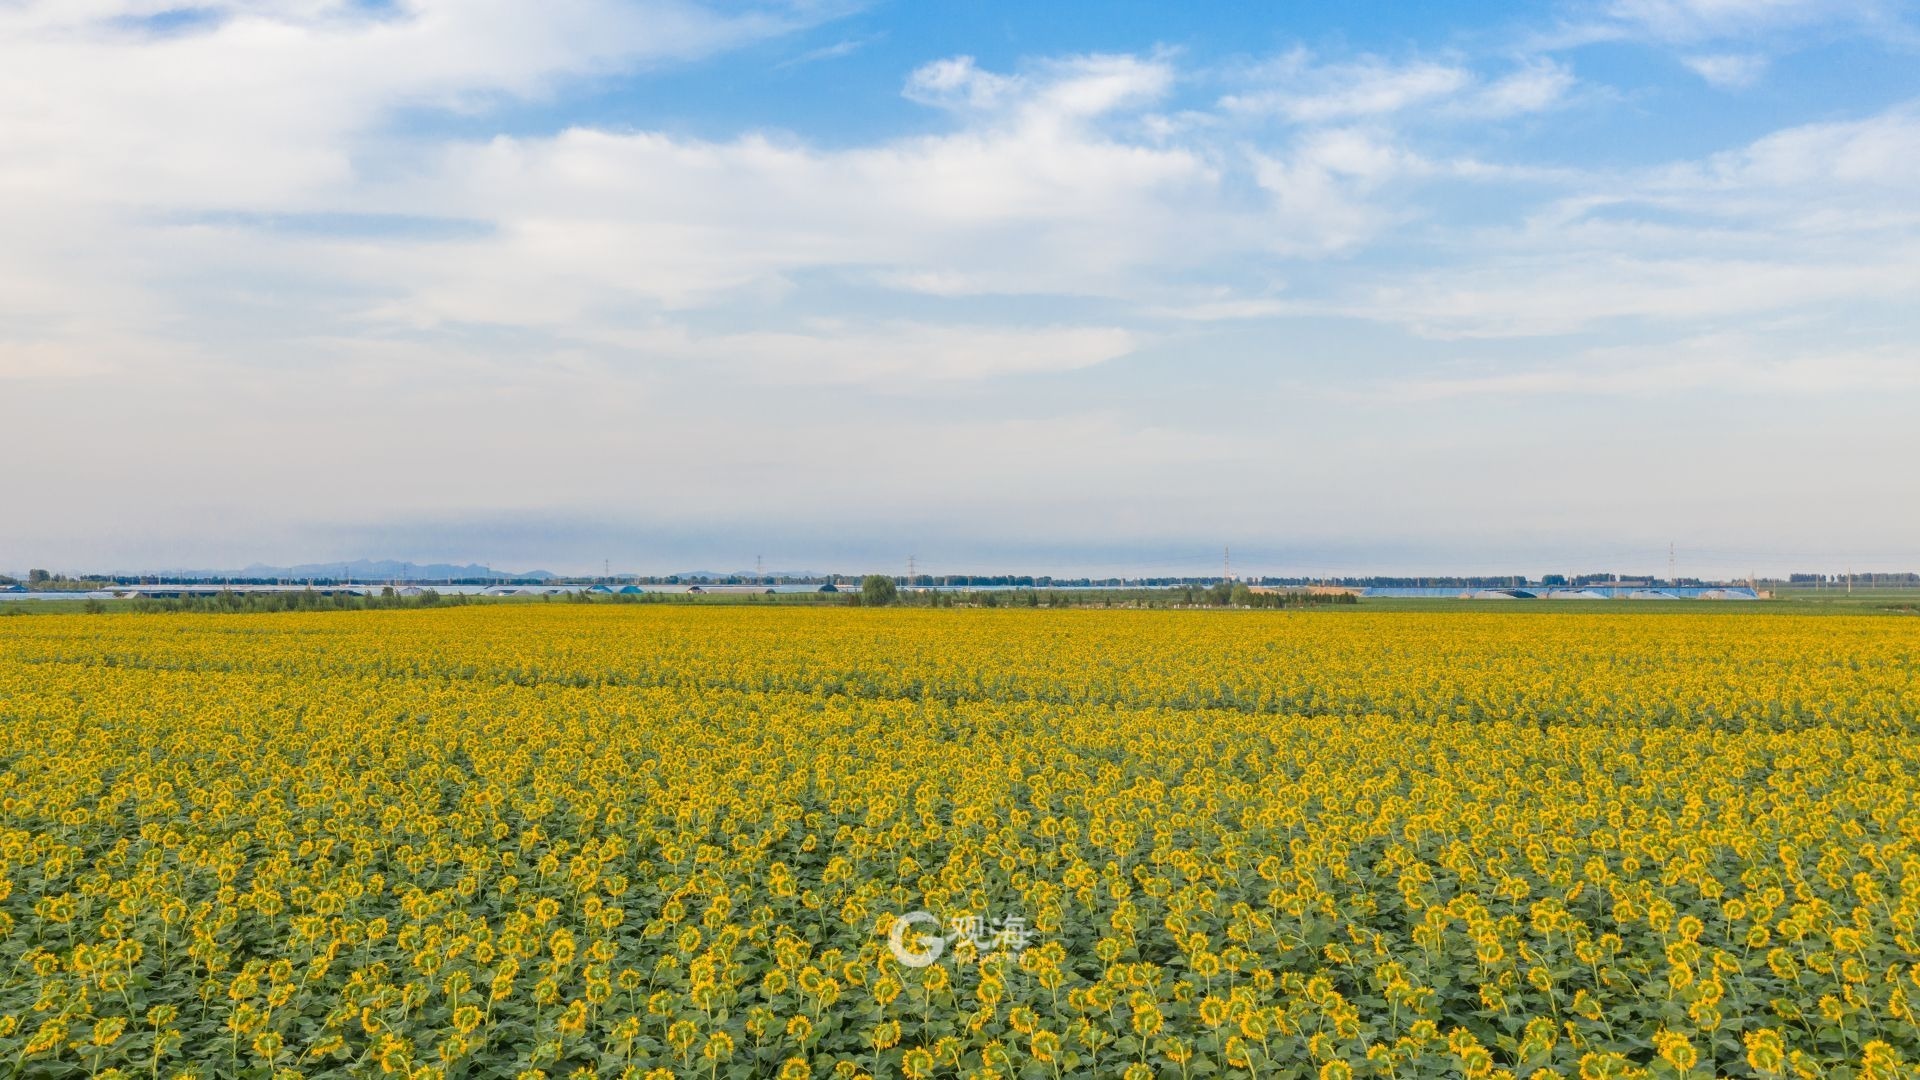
(1538, 85)
(1705, 20)
(1302, 91)
(839, 49)
(1729, 71)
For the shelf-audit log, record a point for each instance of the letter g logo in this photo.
(924, 949)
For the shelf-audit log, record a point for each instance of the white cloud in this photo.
(1844, 182)
(1057, 178)
(1728, 71)
(579, 227)
(957, 82)
(1760, 28)
(258, 105)
(836, 51)
(587, 219)
(1880, 152)
(1537, 86)
(1323, 189)
(1688, 20)
(1806, 219)
(113, 135)
(1076, 88)
(1299, 90)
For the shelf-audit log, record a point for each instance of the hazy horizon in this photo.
(1246, 563)
(1073, 289)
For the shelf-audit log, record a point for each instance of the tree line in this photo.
(879, 590)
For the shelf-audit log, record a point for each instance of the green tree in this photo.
(878, 590)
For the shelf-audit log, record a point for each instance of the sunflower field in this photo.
(562, 840)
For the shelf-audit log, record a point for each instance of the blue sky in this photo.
(1070, 287)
